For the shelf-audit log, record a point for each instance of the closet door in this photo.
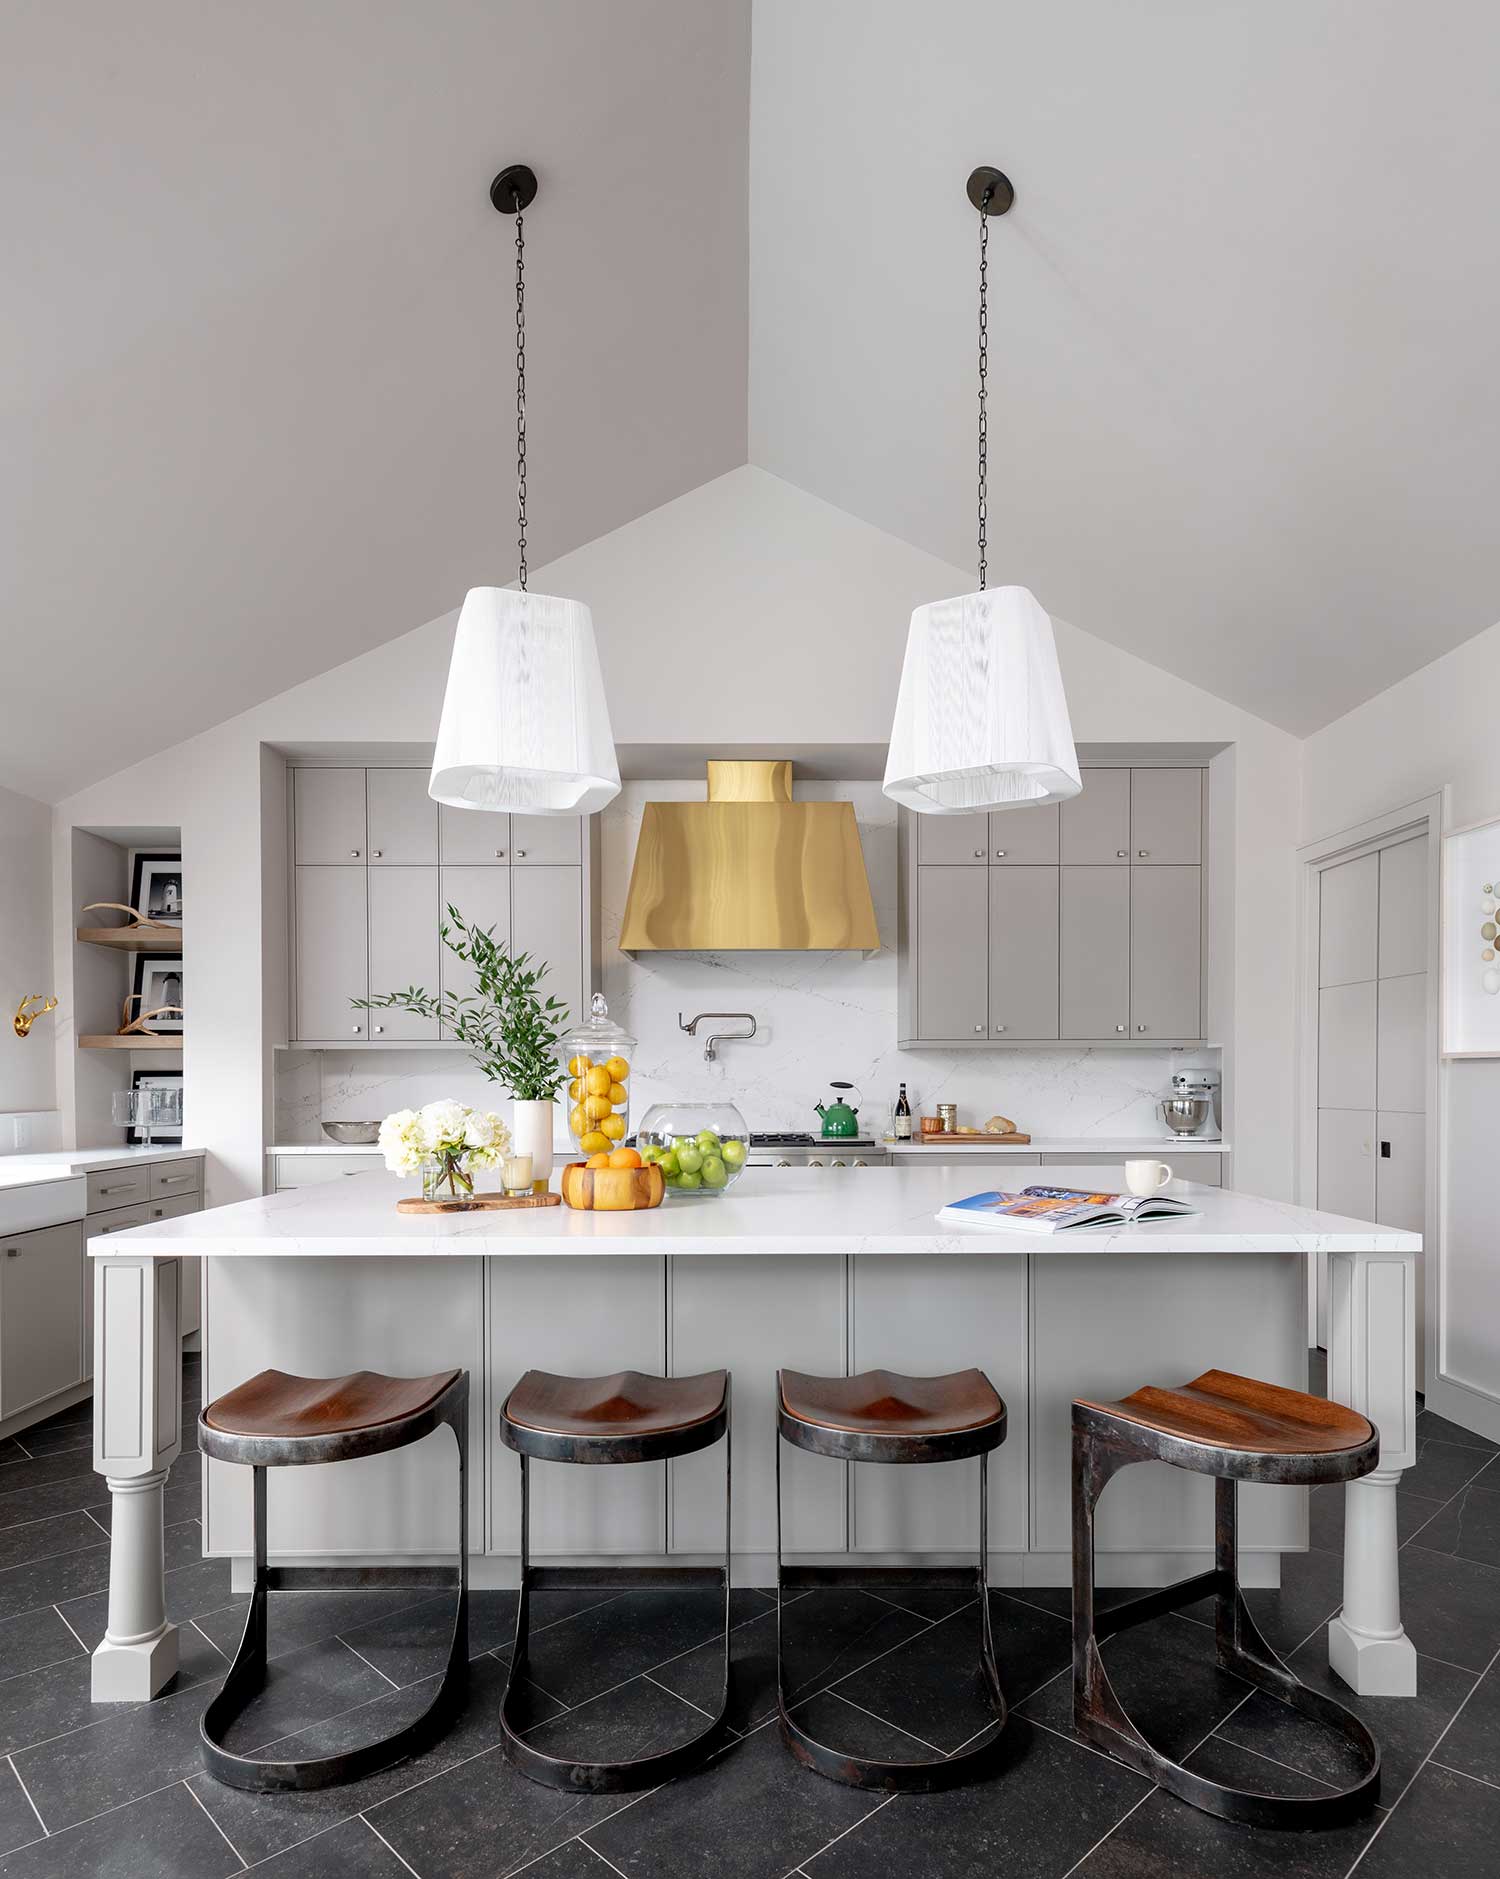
(1348, 952)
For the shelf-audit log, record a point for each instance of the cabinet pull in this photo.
(1142, 853)
(1122, 854)
(1000, 854)
(1119, 1027)
(120, 1226)
(979, 854)
(355, 1029)
(12, 1252)
(979, 1028)
(1140, 1027)
(120, 1187)
(499, 854)
(379, 1030)
(377, 852)
(354, 854)
(999, 1027)
(520, 854)
(171, 1180)
(157, 1212)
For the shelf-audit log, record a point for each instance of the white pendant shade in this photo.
(981, 719)
(525, 726)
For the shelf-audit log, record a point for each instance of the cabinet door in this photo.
(329, 811)
(403, 821)
(1023, 952)
(1024, 837)
(952, 989)
(1094, 968)
(546, 841)
(41, 1315)
(1166, 817)
(1166, 952)
(482, 896)
(191, 1309)
(332, 953)
(954, 841)
(546, 921)
(1096, 825)
(404, 946)
(473, 838)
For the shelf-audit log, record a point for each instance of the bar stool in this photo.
(1234, 1429)
(280, 1421)
(623, 1418)
(880, 1416)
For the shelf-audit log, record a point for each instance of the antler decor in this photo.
(24, 1019)
(139, 922)
(136, 1027)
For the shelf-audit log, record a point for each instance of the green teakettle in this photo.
(840, 1119)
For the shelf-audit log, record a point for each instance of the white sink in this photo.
(40, 1200)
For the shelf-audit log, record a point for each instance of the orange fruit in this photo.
(626, 1158)
(597, 1161)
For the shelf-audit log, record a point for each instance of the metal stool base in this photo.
(1100, 1717)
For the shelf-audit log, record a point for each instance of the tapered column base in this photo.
(134, 1673)
(1372, 1666)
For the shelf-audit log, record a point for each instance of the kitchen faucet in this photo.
(710, 1054)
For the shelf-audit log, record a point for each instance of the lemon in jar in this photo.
(613, 1127)
(617, 1095)
(594, 1143)
(578, 1119)
(579, 1066)
(618, 1068)
(576, 1090)
(596, 1107)
(598, 1080)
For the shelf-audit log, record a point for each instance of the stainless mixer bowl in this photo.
(1185, 1115)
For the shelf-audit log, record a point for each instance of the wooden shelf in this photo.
(131, 939)
(138, 1042)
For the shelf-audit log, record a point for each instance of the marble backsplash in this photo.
(819, 1016)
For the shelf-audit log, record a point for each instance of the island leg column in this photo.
(137, 1437)
(1372, 1368)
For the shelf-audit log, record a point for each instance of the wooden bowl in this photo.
(612, 1190)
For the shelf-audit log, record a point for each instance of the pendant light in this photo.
(981, 719)
(525, 726)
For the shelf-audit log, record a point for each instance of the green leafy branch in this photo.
(509, 1029)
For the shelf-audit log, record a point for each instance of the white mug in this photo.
(1145, 1177)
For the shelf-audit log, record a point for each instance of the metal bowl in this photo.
(352, 1134)
(1185, 1115)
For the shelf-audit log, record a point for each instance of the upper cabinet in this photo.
(1086, 925)
(402, 819)
(329, 816)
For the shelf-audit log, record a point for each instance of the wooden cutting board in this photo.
(949, 1136)
(475, 1203)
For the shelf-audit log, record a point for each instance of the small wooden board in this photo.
(948, 1137)
(476, 1203)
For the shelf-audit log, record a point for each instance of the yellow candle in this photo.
(516, 1174)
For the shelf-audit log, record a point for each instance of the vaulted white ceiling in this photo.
(255, 366)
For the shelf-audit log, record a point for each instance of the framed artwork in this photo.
(157, 981)
(156, 1080)
(1471, 930)
(156, 885)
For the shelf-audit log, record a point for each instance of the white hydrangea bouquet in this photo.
(443, 1142)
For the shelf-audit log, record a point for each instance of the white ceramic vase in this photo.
(531, 1134)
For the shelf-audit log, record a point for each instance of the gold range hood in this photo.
(749, 870)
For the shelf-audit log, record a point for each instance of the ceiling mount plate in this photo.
(514, 189)
(987, 180)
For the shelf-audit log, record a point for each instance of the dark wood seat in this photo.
(625, 1404)
(881, 1415)
(285, 1408)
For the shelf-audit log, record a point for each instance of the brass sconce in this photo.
(24, 1018)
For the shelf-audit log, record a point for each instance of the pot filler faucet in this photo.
(710, 1053)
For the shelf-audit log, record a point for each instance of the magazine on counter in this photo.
(1058, 1209)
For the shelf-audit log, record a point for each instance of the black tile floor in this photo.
(118, 1791)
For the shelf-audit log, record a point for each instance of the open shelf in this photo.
(138, 1041)
(133, 939)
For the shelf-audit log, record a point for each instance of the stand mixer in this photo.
(1193, 1106)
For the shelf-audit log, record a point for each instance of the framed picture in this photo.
(155, 1080)
(156, 885)
(157, 982)
(1471, 941)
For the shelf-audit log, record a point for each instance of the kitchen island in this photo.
(826, 1270)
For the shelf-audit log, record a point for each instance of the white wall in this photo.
(745, 612)
(26, 1064)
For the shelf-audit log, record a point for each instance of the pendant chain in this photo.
(984, 366)
(521, 393)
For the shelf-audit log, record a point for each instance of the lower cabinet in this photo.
(41, 1315)
(309, 1170)
(1204, 1169)
(171, 1189)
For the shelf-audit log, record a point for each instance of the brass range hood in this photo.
(749, 870)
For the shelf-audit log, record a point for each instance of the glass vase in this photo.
(445, 1177)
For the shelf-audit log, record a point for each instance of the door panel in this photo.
(1094, 972)
(404, 946)
(190, 1314)
(1401, 1043)
(546, 914)
(1166, 817)
(1096, 825)
(1401, 1171)
(332, 952)
(953, 951)
(482, 896)
(1348, 921)
(328, 808)
(1346, 1162)
(1166, 952)
(1023, 952)
(473, 838)
(1024, 837)
(403, 822)
(1403, 908)
(1346, 1047)
(546, 841)
(957, 841)
(41, 1314)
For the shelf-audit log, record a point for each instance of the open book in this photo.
(1056, 1209)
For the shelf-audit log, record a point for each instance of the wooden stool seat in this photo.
(883, 1402)
(1246, 1428)
(625, 1404)
(286, 1408)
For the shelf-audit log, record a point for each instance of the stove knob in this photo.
(838, 1164)
(861, 1164)
(815, 1164)
(783, 1164)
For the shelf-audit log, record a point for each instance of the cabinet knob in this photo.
(999, 854)
(356, 1029)
(980, 1029)
(377, 852)
(520, 854)
(354, 854)
(379, 1030)
(1119, 1027)
(1140, 1027)
(1142, 853)
(499, 854)
(999, 1027)
(12, 1252)
(1122, 854)
(979, 854)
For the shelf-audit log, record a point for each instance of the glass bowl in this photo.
(701, 1147)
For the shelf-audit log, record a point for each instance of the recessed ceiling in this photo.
(256, 379)
(1245, 315)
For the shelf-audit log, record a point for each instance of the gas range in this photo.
(797, 1148)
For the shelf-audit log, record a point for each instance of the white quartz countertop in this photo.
(1163, 1147)
(770, 1210)
(62, 1164)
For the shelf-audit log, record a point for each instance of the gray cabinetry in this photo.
(1166, 817)
(1024, 837)
(1096, 825)
(404, 947)
(482, 896)
(41, 1315)
(332, 954)
(329, 817)
(1166, 946)
(547, 921)
(546, 841)
(1023, 935)
(1094, 968)
(403, 819)
(473, 838)
(953, 841)
(952, 976)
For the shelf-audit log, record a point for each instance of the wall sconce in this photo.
(24, 1019)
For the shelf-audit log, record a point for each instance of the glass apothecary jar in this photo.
(701, 1146)
(599, 1055)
